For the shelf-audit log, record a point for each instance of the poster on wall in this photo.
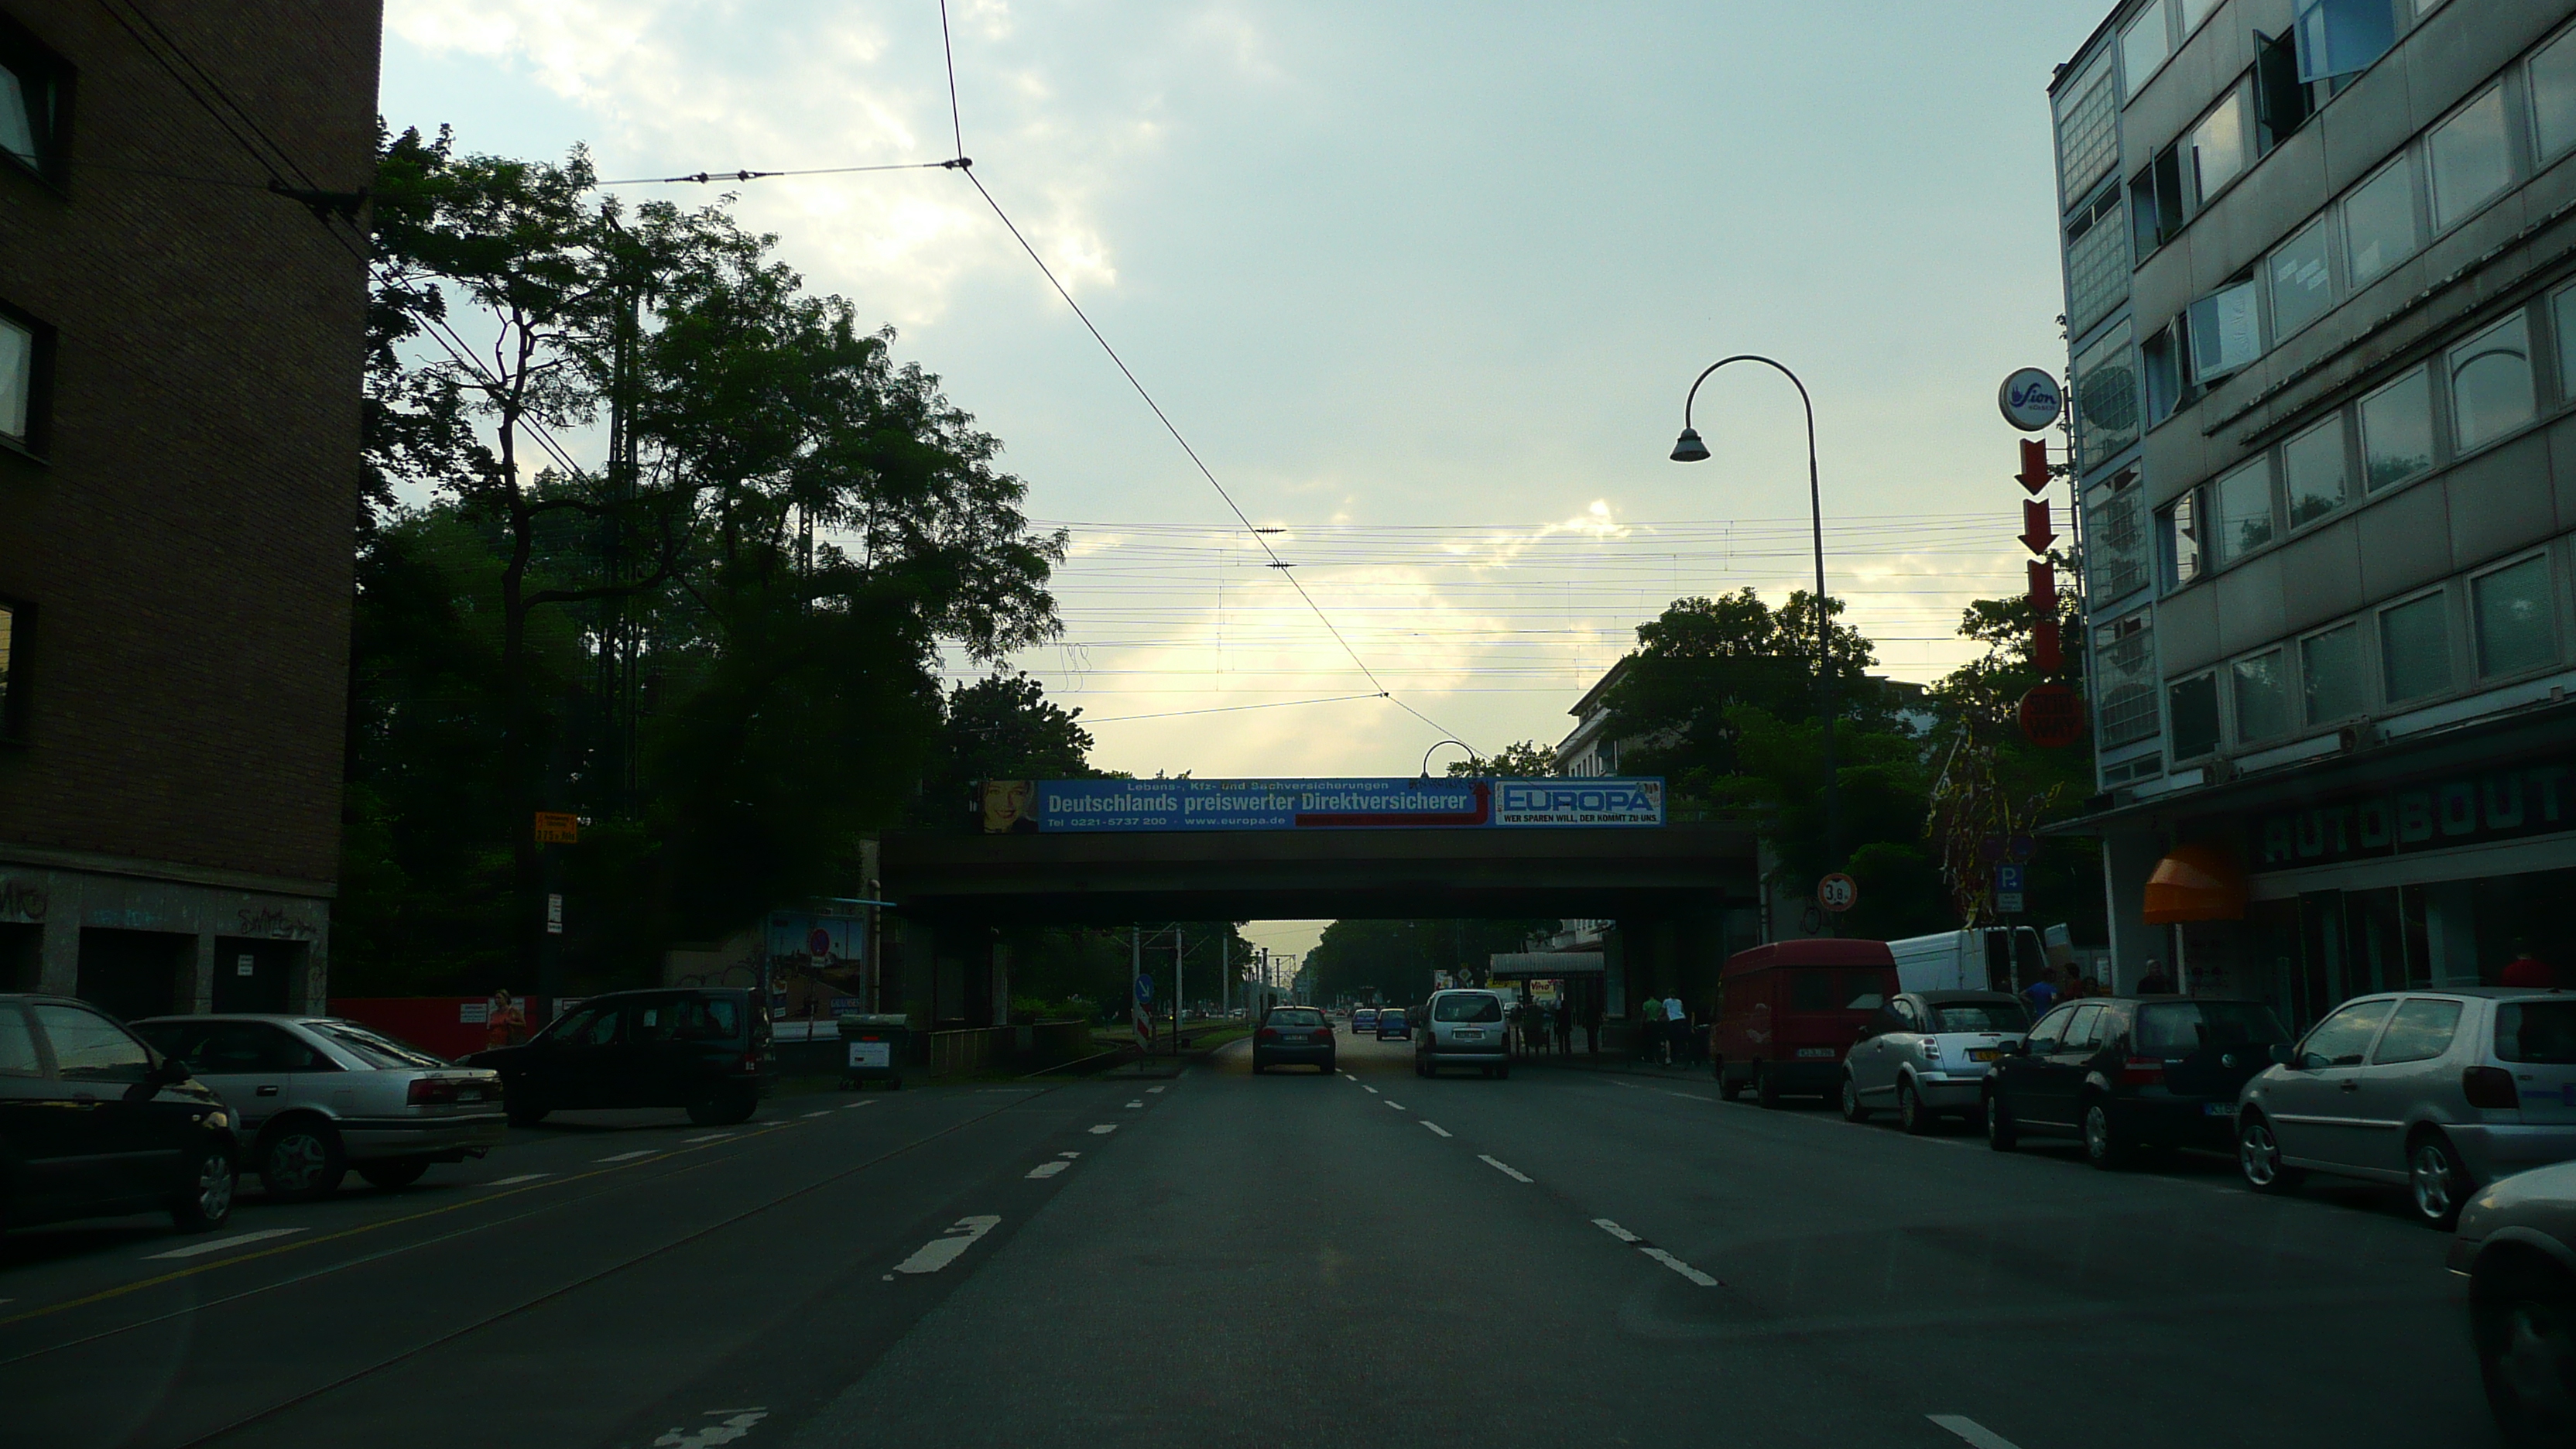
(1018, 807)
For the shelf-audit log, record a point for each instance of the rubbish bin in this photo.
(873, 1048)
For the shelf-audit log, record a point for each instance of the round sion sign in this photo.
(2051, 716)
(1837, 892)
(2031, 400)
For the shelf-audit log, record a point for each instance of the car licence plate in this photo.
(1983, 1054)
(1815, 1051)
(2218, 1109)
(1471, 1034)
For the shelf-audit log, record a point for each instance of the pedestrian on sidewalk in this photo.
(2041, 994)
(1676, 1032)
(1562, 1018)
(2525, 969)
(1652, 1040)
(2155, 982)
(1592, 1026)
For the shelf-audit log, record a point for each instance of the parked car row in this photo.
(101, 1118)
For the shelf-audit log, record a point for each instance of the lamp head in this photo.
(1690, 449)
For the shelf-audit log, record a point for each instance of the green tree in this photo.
(1522, 760)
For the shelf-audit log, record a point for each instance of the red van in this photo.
(1788, 1011)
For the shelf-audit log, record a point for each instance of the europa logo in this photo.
(1557, 797)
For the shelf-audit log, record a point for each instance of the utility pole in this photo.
(1180, 954)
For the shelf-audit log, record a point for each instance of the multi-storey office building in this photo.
(180, 354)
(2321, 309)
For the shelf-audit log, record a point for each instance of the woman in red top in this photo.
(2526, 969)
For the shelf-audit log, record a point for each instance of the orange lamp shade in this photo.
(2195, 882)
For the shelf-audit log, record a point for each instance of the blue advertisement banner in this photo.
(1054, 806)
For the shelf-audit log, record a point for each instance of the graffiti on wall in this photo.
(20, 901)
(274, 923)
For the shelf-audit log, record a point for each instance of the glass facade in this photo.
(2106, 399)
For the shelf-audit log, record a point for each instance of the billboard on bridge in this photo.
(1052, 806)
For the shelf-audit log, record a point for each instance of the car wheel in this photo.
(394, 1173)
(2002, 1133)
(1256, 1066)
(1729, 1088)
(525, 1110)
(1911, 1114)
(2103, 1147)
(1853, 1111)
(1503, 1073)
(1717, 1068)
(1330, 1067)
(2435, 1182)
(2526, 1338)
(1766, 1086)
(2258, 1156)
(205, 1199)
(301, 1162)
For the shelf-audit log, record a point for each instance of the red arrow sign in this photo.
(2046, 654)
(2034, 465)
(2044, 646)
(2036, 535)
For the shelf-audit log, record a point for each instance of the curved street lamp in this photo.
(1689, 449)
(1436, 744)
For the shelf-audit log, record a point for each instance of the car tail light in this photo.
(1267, 1033)
(1931, 1050)
(2142, 1072)
(2489, 1087)
(752, 1059)
(430, 1091)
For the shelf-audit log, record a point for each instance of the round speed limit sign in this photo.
(1837, 892)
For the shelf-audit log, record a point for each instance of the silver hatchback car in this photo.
(2438, 1089)
(1925, 1053)
(316, 1096)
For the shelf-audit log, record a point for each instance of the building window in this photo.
(2088, 132)
(2516, 625)
(2196, 11)
(34, 101)
(2115, 538)
(2342, 37)
(2397, 431)
(2178, 540)
(2553, 96)
(2470, 160)
(2415, 649)
(26, 365)
(2242, 501)
(2379, 221)
(2330, 675)
(2491, 392)
(2282, 102)
(2155, 201)
(2302, 285)
(2262, 697)
(2145, 45)
(2097, 260)
(2106, 398)
(2160, 363)
(2313, 471)
(2218, 149)
(2226, 334)
(13, 628)
(2194, 714)
(2124, 657)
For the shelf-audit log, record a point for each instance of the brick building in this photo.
(180, 355)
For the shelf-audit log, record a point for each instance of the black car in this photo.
(1292, 1034)
(705, 1049)
(2120, 1073)
(95, 1123)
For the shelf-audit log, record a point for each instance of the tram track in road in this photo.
(551, 1201)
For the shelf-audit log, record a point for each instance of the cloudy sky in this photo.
(1424, 286)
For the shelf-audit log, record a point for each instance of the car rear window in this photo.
(377, 1049)
(1979, 1016)
(1296, 1018)
(1468, 1006)
(2537, 1031)
(1390, 1015)
(2185, 1026)
(1831, 988)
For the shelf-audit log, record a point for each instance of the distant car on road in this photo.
(702, 1048)
(2436, 1089)
(1364, 1019)
(1788, 1011)
(1463, 1029)
(1391, 1023)
(95, 1123)
(315, 1096)
(2120, 1073)
(1926, 1053)
(1292, 1035)
(2517, 1247)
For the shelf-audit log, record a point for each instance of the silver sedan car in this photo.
(315, 1096)
(2517, 1247)
(1925, 1054)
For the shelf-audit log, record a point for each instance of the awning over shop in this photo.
(2195, 882)
(1544, 965)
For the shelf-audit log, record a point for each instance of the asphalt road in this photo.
(1565, 1257)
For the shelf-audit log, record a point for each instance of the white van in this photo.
(1987, 958)
(1463, 1029)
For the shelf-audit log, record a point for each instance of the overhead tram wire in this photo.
(1226, 708)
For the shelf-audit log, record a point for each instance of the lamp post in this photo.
(1689, 449)
(1436, 744)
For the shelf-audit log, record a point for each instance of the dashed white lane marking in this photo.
(1149, 1091)
(1678, 1266)
(1614, 1230)
(1139, 1102)
(509, 1181)
(217, 1245)
(1068, 1156)
(627, 1156)
(709, 1137)
(731, 1424)
(1970, 1430)
(1687, 1096)
(1436, 1127)
(1049, 1169)
(845, 1106)
(939, 1252)
(1365, 1087)
(826, 1112)
(1104, 1129)
(1631, 1086)
(1505, 1168)
(1399, 1106)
